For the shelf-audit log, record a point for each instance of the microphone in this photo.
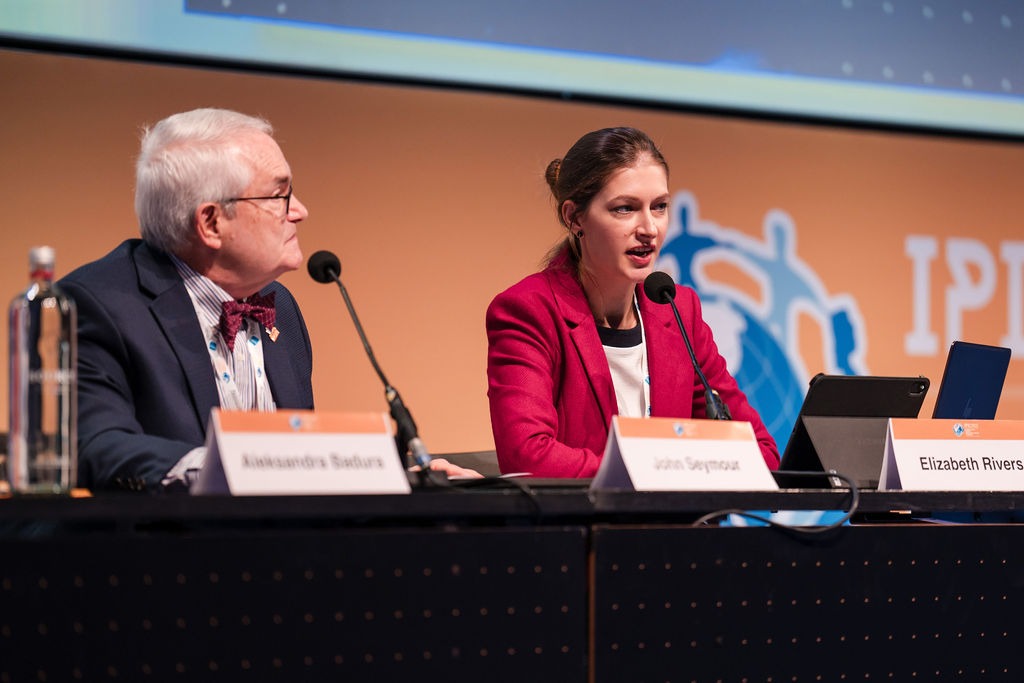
(323, 266)
(661, 289)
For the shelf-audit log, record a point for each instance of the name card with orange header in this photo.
(300, 452)
(665, 454)
(953, 455)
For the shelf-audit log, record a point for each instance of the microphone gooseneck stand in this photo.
(661, 289)
(325, 267)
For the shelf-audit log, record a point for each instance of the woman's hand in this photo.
(450, 469)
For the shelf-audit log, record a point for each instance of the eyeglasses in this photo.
(286, 197)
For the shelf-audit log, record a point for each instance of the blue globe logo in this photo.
(756, 334)
(763, 372)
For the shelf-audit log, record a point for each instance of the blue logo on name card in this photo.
(677, 428)
(295, 422)
(958, 429)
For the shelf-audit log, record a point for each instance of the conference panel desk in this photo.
(482, 585)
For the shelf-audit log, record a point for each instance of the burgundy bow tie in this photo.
(259, 308)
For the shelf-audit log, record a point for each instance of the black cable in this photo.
(466, 485)
(854, 502)
(531, 496)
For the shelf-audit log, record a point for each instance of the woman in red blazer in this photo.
(578, 342)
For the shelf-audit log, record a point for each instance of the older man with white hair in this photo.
(190, 317)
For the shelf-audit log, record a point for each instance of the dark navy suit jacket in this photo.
(145, 381)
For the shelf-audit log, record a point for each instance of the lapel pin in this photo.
(273, 334)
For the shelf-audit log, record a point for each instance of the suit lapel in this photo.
(277, 361)
(572, 304)
(172, 308)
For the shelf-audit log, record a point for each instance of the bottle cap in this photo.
(41, 258)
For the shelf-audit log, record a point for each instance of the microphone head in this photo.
(659, 287)
(324, 266)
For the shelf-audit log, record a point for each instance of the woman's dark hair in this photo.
(586, 167)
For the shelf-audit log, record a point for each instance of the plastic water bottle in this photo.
(42, 444)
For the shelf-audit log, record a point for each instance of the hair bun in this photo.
(551, 175)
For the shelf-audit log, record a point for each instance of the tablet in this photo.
(971, 382)
(843, 421)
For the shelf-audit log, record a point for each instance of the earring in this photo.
(579, 234)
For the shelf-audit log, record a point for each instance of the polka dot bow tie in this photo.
(259, 308)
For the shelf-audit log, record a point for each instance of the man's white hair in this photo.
(185, 160)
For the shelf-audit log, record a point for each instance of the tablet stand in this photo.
(853, 446)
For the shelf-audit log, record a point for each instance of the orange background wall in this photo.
(434, 200)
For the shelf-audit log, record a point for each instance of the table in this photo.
(481, 584)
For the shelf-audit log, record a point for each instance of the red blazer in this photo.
(550, 388)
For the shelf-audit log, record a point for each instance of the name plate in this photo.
(300, 452)
(666, 454)
(953, 455)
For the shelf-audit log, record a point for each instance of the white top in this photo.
(626, 351)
